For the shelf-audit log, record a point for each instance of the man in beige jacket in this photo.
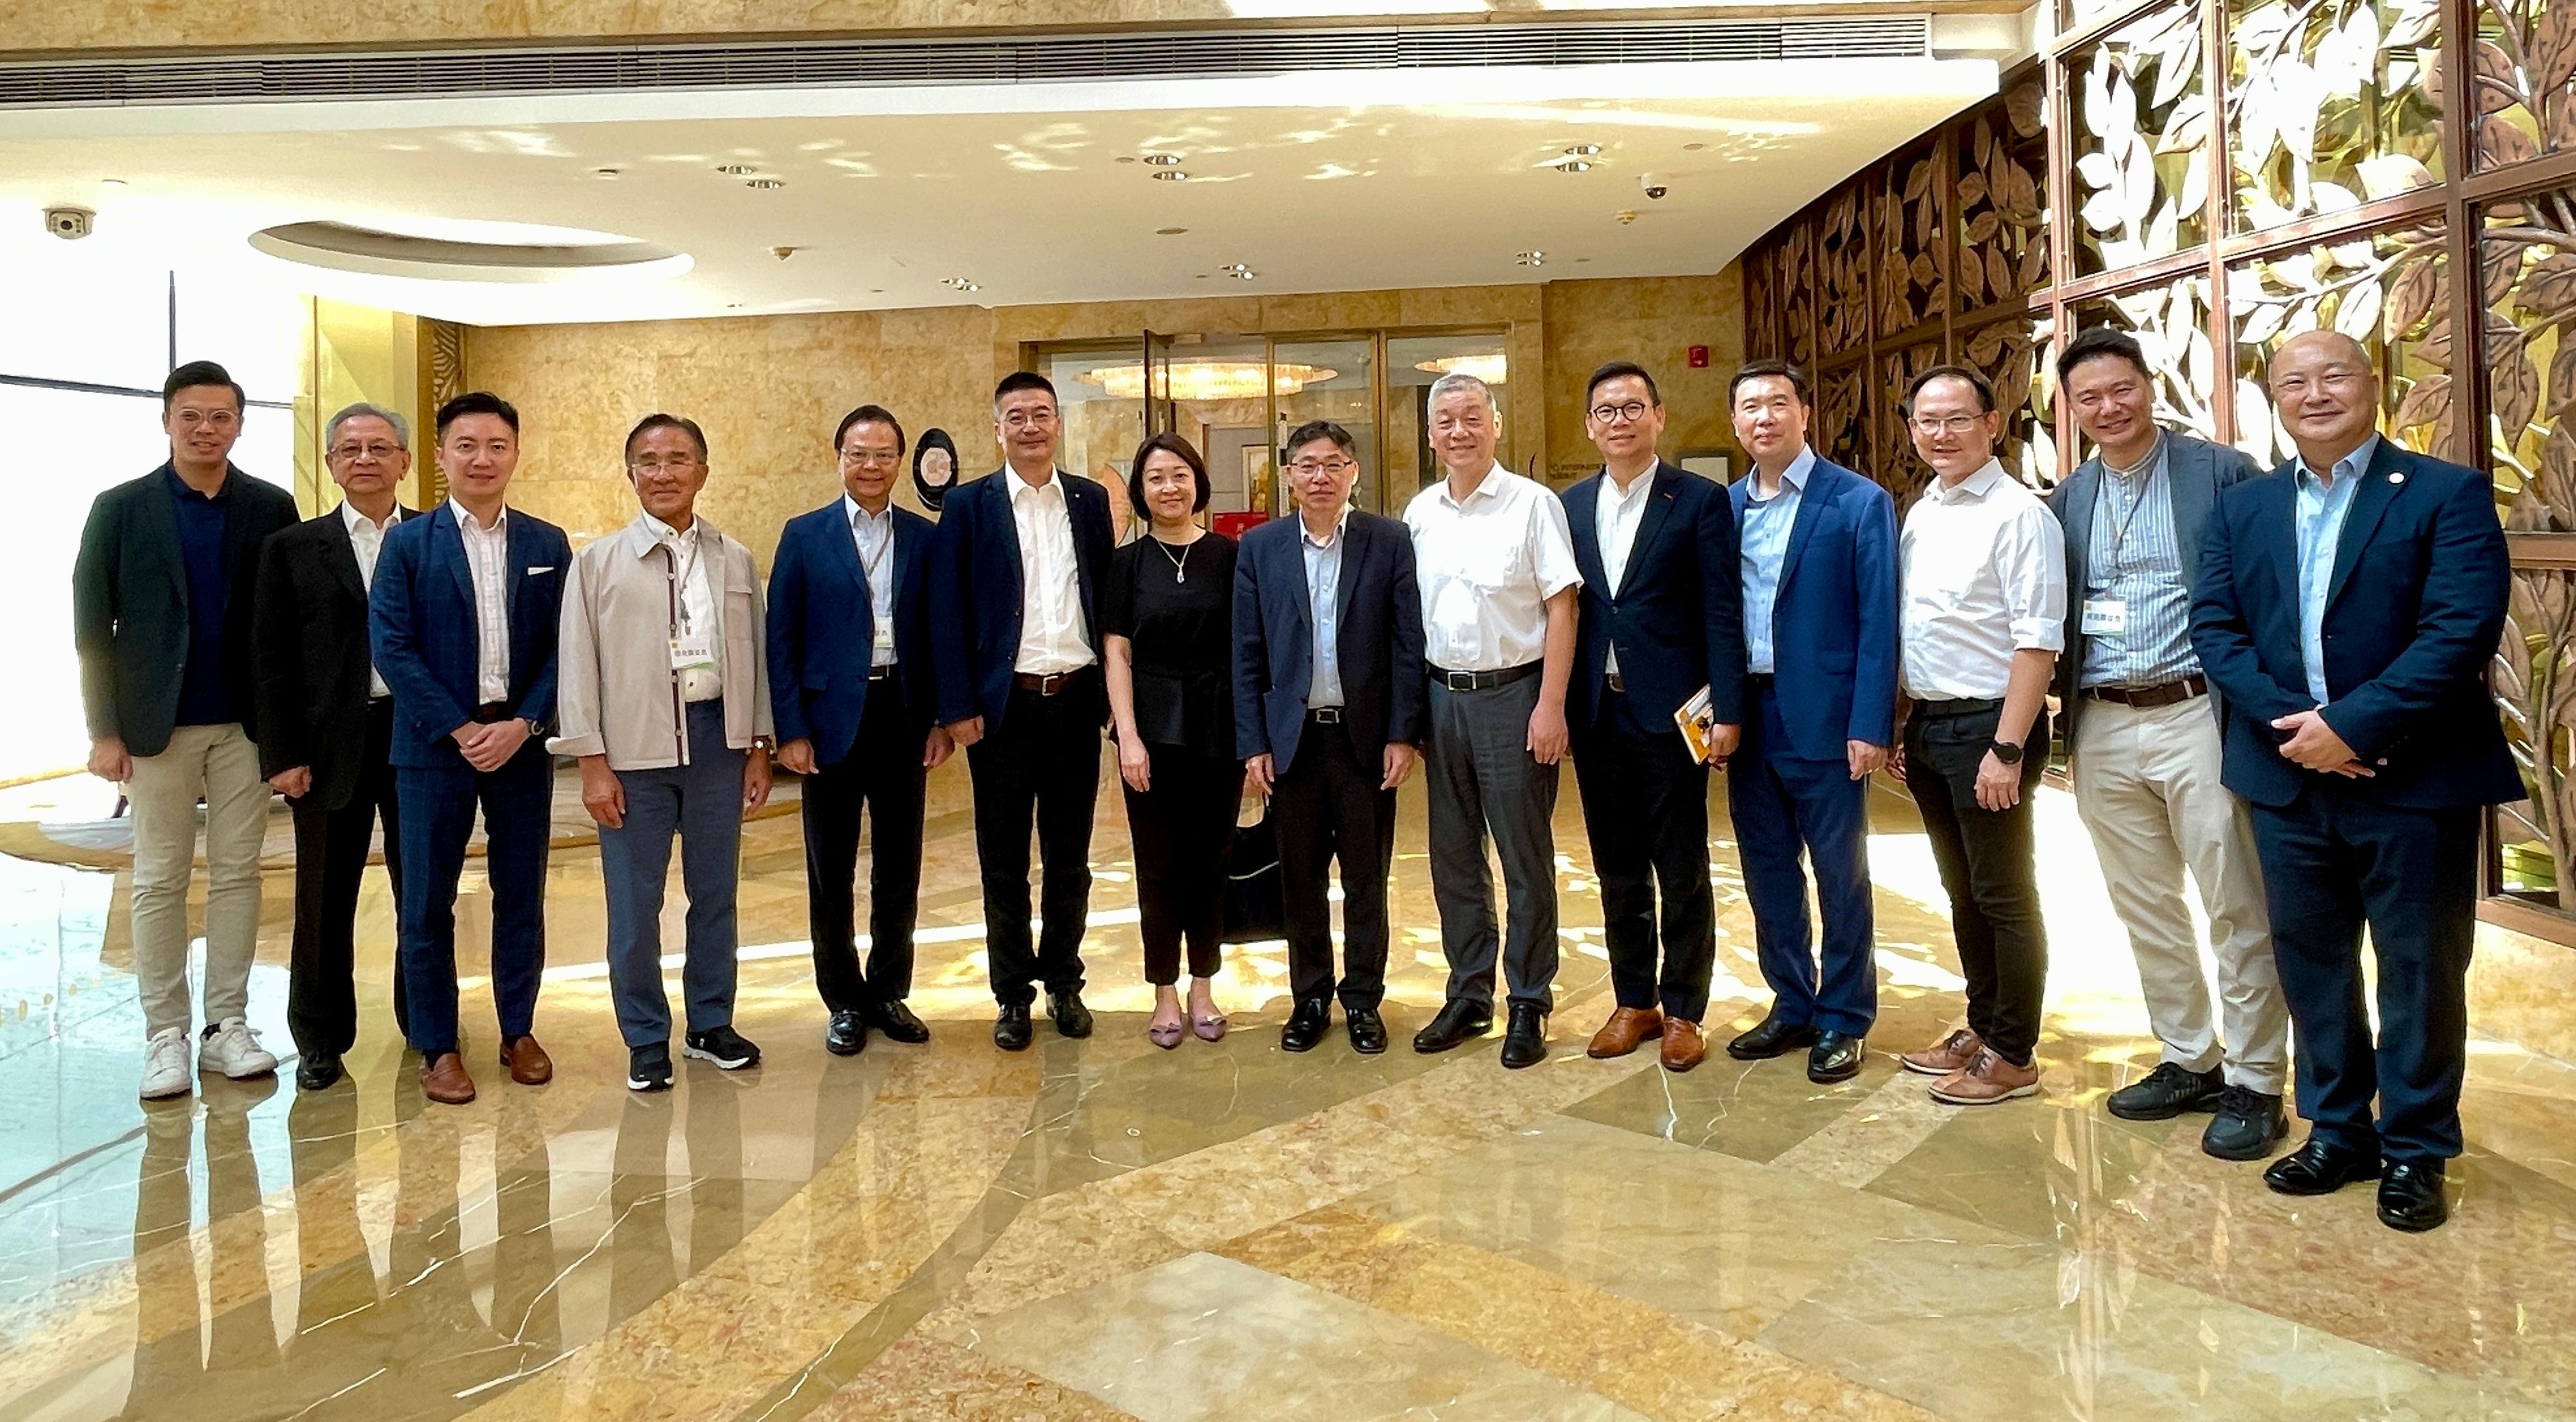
(664, 698)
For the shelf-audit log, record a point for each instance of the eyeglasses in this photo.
(677, 464)
(218, 419)
(872, 458)
(1947, 425)
(1619, 414)
(1309, 468)
(375, 450)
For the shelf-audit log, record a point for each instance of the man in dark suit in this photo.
(2143, 732)
(852, 698)
(1327, 713)
(2348, 603)
(327, 724)
(1819, 577)
(1661, 618)
(1016, 647)
(463, 617)
(161, 615)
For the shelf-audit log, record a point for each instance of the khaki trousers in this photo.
(2147, 786)
(221, 764)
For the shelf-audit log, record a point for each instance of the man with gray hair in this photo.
(326, 723)
(1494, 562)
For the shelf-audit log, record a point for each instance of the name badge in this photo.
(693, 651)
(885, 638)
(2106, 617)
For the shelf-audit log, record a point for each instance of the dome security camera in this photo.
(1654, 184)
(70, 223)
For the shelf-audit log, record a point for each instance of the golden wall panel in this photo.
(1654, 322)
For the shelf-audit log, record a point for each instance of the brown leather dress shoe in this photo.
(1986, 1081)
(528, 1063)
(1684, 1047)
(1952, 1054)
(1626, 1028)
(443, 1080)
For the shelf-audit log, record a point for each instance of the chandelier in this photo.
(1209, 379)
(1487, 368)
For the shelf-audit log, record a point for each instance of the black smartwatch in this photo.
(2005, 751)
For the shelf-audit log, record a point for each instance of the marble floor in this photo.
(1099, 1230)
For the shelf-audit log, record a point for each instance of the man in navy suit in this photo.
(1019, 558)
(1819, 575)
(852, 699)
(1659, 618)
(463, 619)
(2347, 605)
(1327, 713)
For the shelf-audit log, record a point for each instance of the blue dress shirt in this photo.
(2320, 516)
(1765, 543)
(1323, 606)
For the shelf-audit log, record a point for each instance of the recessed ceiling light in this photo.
(604, 174)
(1572, 165)
(1170, 175)
(765, 185)
(1163, 160)
(1238, 270)
(113, 182)
(1169, 231)
(1583, 150)
(1693, 147)
(1531, 259)
(1126, 158)
(960, 283)
(735, 170)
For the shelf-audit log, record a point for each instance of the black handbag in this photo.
(1255, 910)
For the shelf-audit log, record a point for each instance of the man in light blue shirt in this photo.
(1323, 606)
(2323, 504)
(1764, 537)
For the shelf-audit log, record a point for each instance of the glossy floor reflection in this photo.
(1103, 1230)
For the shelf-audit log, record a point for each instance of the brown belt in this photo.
(2147, 698)
(1051, 684)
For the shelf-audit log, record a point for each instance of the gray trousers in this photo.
(702, 803)
(1482, 779)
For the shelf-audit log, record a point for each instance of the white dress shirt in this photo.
(367, 540)
(1615, 516)
(873, 535)
(699, 610)
(487, 557)
(1984, 568)
(1052, 635)
(1487, 566)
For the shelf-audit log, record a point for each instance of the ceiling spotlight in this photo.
(1693, 147)
(1163, 160)
(735, 170)
(764, 185)
(1571, 165)
(1170, 175)
(783, 253)
(604, 174)
(959, 283)
(1238, 271)
(1169, 231)
(1583, 150)
(1531, 259)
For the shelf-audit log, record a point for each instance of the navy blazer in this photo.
(2414, 608)
(1833, 621)
(976, 557)
(1677, 615)
(1377, 614)
(420, 620)
(820, 653)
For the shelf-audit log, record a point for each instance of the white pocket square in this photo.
(532, 572)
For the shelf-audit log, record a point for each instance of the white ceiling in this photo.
(1318, 183)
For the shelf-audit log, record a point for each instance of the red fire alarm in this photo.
(1699, 357)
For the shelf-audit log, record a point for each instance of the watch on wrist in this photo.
(2005, 751)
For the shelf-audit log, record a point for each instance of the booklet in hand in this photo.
(1697, 721)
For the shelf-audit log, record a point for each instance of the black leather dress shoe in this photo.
(2247, 1126)
(317, 1070)
(897, 1022)
(1072, 1019)
(1367, 1029)
(2165, 1093)
(848, 1034)
(1011, 1029)
(1459, 1023)
(2410, 1196)
(1307, 1024)
(1836, 1056)
(1525, 1040)
(2318, 1168)
(1771, 1037)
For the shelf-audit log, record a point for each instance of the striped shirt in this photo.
(487, 557)
(2135, 558)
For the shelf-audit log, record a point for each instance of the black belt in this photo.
(1324, 715)
(1482, 680)
(2147, 698)
(1757, 682)
(1051, 684)
(491, 711)
(1966, 707)
(882, 673)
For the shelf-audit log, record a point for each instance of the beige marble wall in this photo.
(1653, 322)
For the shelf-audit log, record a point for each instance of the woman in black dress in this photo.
(1167, 620)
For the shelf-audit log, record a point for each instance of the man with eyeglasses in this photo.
(1662, 620)
(853, 696)
(1327, 710)
(162, 600)
(1496, 571)
(327, 726)
(2349, 603)
(1020, 555)
(2142, 729)
(1983, 576)
(663, 698)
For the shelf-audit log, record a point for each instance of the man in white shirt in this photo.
(1495, 565)
(663, 697)
(328, 722)
(1016, 649)
(1982, 617)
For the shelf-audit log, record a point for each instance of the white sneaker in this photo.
(234, 1050)
(165, 1065)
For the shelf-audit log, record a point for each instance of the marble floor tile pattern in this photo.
(1102, 1230)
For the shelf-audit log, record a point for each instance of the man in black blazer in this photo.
(1662, 616)
(852, 698)
(327, 725)
(161, 616)
(1016, 647)
(2347, 605)
(1327, 714)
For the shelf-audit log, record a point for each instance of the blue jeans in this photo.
(702, 803)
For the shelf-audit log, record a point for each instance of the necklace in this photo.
(1180, 560)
